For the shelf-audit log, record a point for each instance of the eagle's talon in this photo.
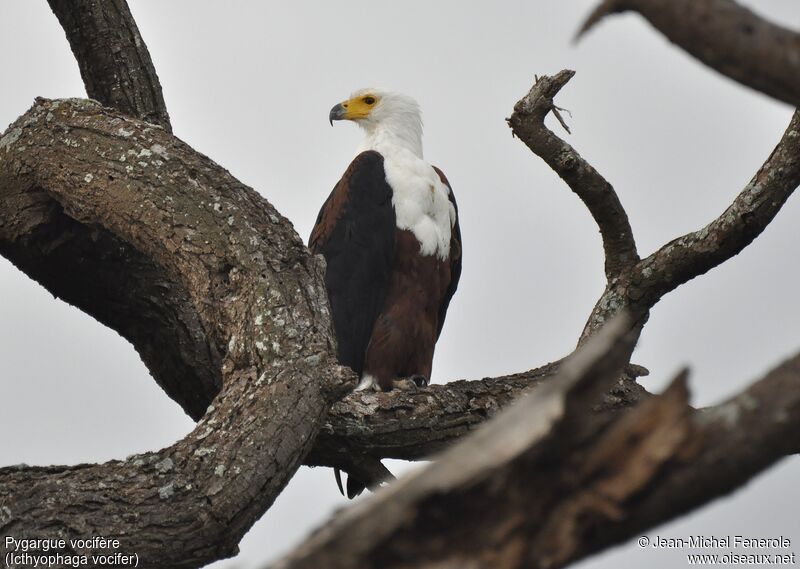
(411, 383)
(419, 380)
(405, 384)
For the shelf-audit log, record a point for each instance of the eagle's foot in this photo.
(411, 383)
(419, 380)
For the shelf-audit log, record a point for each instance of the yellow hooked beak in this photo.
(353, 109)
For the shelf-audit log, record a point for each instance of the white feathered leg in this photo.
(367, 382)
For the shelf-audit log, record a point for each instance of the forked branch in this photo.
(635, 284)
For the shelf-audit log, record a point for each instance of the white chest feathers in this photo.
(421, 201)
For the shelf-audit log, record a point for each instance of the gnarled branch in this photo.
(213, 288)
(637, 285)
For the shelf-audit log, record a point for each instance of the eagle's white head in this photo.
(387, 119)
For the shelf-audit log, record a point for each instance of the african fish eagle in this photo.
(390, 235)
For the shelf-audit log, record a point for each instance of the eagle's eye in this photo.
(369, 100)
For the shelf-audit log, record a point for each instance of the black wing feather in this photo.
(355, 232)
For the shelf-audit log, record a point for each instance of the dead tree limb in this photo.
(637, 285)
(548, 482)
(595, 192)
(214, 289)
(725, 36)
(114, 61)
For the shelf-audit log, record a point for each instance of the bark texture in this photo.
(213, 288)
(114, 61)
(415, 425)
(725, 36)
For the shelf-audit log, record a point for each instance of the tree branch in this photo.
(637, 285)
(114, 61)
(547, 482)
(725, 36)
(418, 424)
(753, 209)
(101, 208)
(527, 123)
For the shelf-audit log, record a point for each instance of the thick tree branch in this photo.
(114, 61)
(415, 425)
(100, 209)
(725, 36)
(527, 123)
(548, 482)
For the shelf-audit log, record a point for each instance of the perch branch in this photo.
(415, 425)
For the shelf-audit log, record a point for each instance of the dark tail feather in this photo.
(364, 472)
(354, 485)
(338, 475)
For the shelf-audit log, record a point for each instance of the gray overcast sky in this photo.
(250, 84)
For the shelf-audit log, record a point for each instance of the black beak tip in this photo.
(337, 113)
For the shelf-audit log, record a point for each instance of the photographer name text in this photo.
(719, 542)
